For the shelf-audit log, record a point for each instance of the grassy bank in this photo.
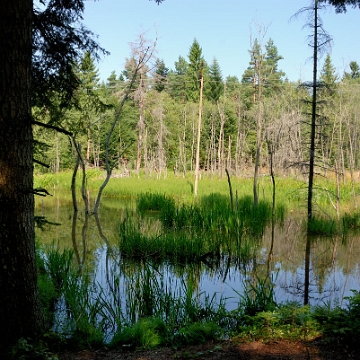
(290, 191)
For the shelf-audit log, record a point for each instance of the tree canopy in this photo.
(59, 41)
(341, 5)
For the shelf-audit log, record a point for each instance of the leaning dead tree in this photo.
(144, 55)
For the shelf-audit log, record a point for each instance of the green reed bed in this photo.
(333, 226)
(159, 310)
(127, 310)
(208, 231)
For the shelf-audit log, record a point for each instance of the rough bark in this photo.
(20, 310)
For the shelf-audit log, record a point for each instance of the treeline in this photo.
(246, 122)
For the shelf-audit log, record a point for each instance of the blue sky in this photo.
(223, 30)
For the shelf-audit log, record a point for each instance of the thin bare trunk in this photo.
(313, 117)
(197, 162)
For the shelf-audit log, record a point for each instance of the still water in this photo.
(326, 269)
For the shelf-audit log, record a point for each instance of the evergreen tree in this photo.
(233, 87)
(273, 76)
(328, 78)
(161, 74)
(88, 75)
(177, 80)
(354, 71)
(216, 86)
(251, 76)
(263, 69)
(195, 69)
(328, 73)
(340, 5)
(111, 81)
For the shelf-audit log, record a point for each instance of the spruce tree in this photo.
(216, 86)
(195, 69)
(177, 80)
(328, 79)
(161, 74)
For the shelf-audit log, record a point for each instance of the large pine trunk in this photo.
(20, 310)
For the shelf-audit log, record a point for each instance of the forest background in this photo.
(157, 127)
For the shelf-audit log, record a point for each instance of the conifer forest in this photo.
(146, 117)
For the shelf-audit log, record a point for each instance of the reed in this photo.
(157, 311)
(258, 296)
(322, 226)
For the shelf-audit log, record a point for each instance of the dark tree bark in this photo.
(20, 310)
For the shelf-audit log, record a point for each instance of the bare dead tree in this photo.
(146, 55)
(319, 40)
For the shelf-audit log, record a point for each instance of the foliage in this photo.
(340, 5)
(289, 321)
(59, 40)
(340, 322)
(196, 333)
(47, 290)
(29, 349)
(147, 333)
(196, 68)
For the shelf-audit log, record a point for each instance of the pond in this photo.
(317, 269)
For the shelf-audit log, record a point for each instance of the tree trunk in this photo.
(20, 310)
(57, 160)
(141, 124)
(221, 143)
(313, 118)
(197, 161)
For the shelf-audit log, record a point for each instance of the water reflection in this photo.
(303, 269)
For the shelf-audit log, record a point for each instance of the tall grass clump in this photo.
(254, 218)
(76, 308)
(138, 240)
(47, 290)
(209, 226)
(158, 314)
(259, 296)
(351, 221)
(322, 226)
(153, 202)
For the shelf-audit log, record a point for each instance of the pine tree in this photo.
(251, 76)
(263, 69)
(111, 81)
(273, 76)
(354, 71)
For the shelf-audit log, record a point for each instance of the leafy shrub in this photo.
(340, 322)
(196, 333)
